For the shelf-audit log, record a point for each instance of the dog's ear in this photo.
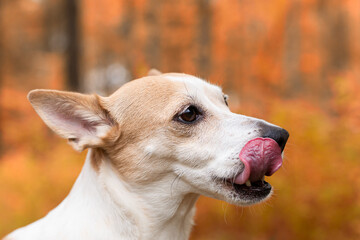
(154, 72)
(77, 117)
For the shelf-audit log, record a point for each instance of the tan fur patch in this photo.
(97, 155)
(141, 107)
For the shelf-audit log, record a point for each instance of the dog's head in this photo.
(171, 124)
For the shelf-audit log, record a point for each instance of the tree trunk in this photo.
(72, 51)
(292, 53)
(126, 32)
(336, 48)
(1, 76)
(152, 48)
(204, 38)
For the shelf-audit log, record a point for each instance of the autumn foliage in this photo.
(294, 63)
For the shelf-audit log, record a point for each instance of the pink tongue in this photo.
(261, 156)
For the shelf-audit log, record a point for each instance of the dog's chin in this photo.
(244, 195)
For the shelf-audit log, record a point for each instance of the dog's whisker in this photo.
(225, 211)
(172, 184)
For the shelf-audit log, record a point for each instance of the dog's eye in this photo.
(189, 115)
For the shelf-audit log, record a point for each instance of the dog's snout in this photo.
(280, 135)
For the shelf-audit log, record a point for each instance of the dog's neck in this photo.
(146, 211)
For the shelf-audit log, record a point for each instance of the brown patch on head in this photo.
(144, 103)
(142, 108)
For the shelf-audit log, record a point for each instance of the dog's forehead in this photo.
(159, 94)
(193, 84)
(203, 92)
(164, 86)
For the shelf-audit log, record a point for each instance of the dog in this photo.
(155, 145)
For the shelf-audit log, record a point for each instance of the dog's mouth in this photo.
(250, 191)
(260, 157)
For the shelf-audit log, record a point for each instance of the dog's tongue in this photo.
(261, 156)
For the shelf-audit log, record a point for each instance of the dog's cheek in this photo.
(190, 145)
(155, 150)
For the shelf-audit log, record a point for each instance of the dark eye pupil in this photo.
(189, 115)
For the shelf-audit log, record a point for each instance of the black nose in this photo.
(280, 135)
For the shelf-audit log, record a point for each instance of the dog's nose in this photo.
(280, 135)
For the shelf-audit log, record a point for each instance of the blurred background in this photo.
(293, 63)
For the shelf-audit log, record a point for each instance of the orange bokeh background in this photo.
(293, 63)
